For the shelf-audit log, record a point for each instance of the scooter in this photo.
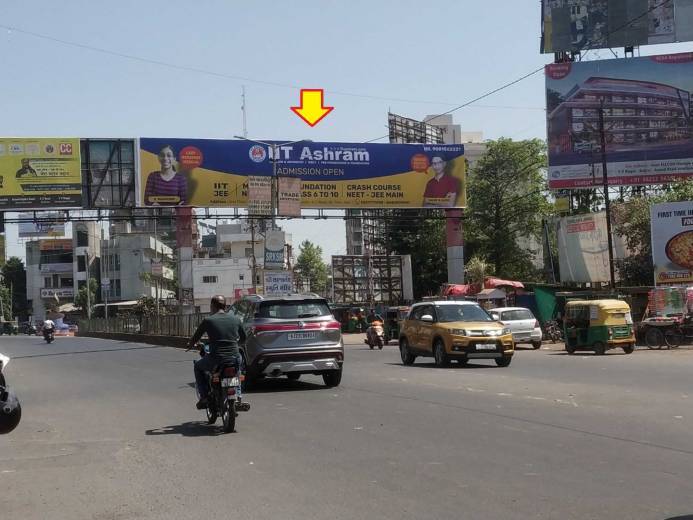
(10, 409)
(375, 335)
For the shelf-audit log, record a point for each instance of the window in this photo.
(469, 312)
(291, 310)
(82, 238)
(81, 264)
(241, 277)
(48, 282)
(209, 279)
(248, 252)
(518, 314)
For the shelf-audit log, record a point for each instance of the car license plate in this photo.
(293, 336)
(229, 382)
(486, 346)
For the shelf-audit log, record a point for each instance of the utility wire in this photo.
(223, 75)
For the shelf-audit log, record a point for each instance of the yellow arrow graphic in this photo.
(312, 109)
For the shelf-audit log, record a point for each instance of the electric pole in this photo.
(607, 202)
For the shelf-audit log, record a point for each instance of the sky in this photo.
(371, 57)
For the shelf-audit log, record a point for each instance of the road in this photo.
(110, 432)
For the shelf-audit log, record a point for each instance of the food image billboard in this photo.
(646, 105)
(578, 25)
(40, 172)
(672, 242)
(214, 173)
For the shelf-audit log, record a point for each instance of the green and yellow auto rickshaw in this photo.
(598, 325)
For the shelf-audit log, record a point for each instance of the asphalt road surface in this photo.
(110, 432)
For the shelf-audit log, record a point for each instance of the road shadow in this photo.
(281, 384)
(453, 366)
(188, 429)
(684, 517)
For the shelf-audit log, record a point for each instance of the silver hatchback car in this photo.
(290, 335)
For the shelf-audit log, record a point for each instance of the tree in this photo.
(6, 303)
(14, 278)
(477, 269)
(311, 267)
(631, 220)
(86, 303)
(408, 233)
(507, 202)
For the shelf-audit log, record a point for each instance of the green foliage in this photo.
(477, 269)
(14, 278)
(145, 306)
(86, 302)
(6, 303)
(631, 220)
(310, 267)
(424, 239)
(507, 202)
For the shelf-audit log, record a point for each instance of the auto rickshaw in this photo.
(394, 317)
(598, 325)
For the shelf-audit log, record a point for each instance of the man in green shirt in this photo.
(224, 332)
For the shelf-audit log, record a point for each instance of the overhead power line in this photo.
(224, 75)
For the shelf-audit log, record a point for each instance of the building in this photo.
(56, 269)
(136, 265)
(364, 231)
(229, 256)
(231, 277)
(635, 113)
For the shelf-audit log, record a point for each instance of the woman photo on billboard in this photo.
(442, 189)
(167, 186)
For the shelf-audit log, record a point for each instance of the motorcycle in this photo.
(49, 335)
(10, 409)
(225, 394)
(375, 335)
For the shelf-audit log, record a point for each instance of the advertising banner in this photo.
(211, 172)
(647, 120)
(59, 244)
(583, 248)
(259, 195)
(577, 25)
(289, 197)
(40, 172)
(672, 242)
(274, 249)
(41, 225)
(278, 283)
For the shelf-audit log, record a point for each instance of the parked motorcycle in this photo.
(49, 335)
(375, 335)
(225, 394)
(10, 409)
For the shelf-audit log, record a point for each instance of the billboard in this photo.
(59, 244)
(583, 248)
(647, 120)
(274, 249)
(214, 173)
(578, 25)
(39, 172)
(41, 225)
(672, 242)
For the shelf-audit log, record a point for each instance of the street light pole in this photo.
(607, 202)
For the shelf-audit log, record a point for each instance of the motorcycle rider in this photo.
(373, 319)
(48, 327)
(224, 331)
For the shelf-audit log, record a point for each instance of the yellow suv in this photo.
(459, 330)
